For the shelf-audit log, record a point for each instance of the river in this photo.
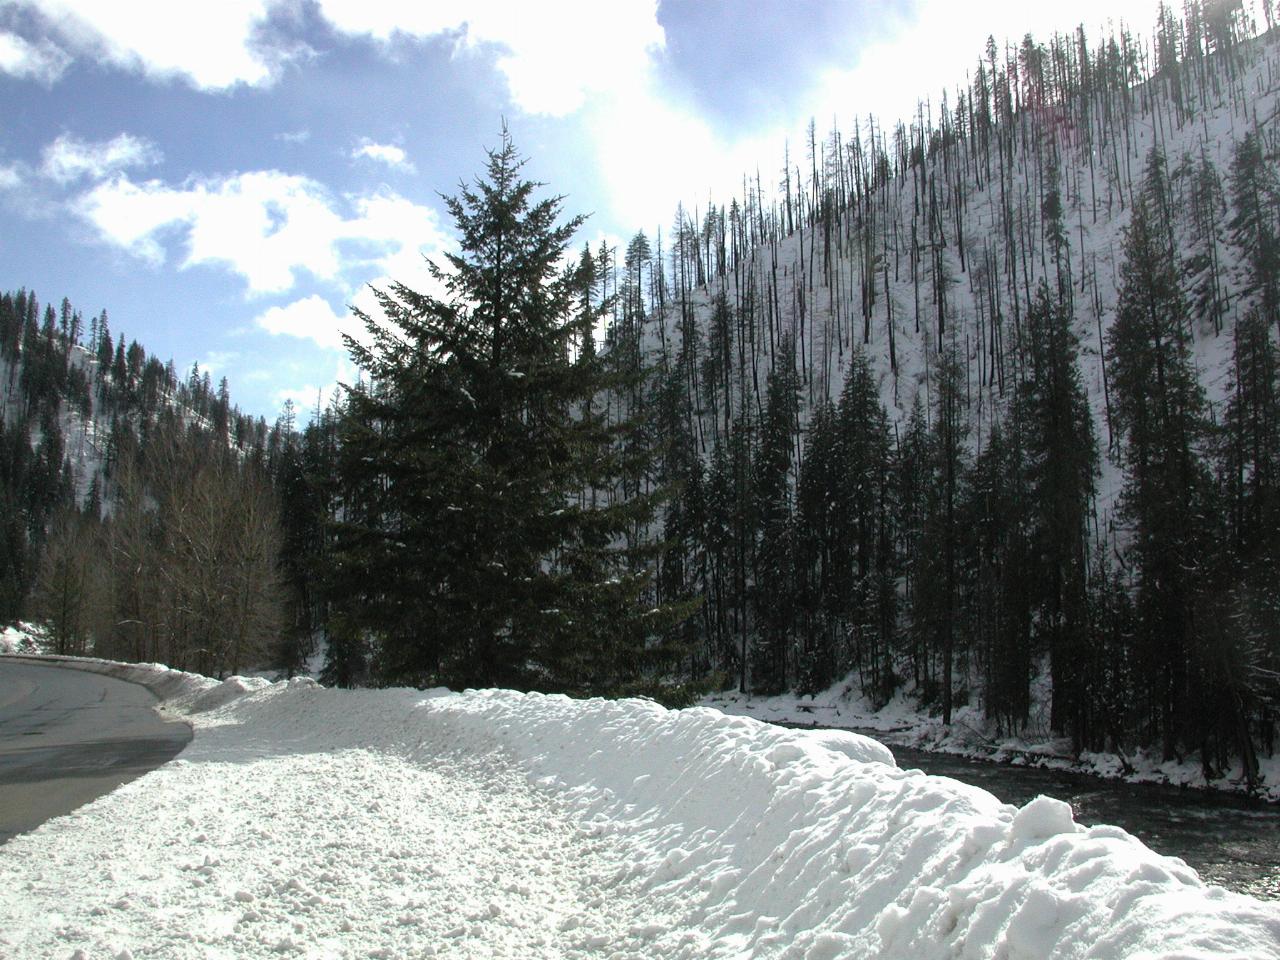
(1228, 840)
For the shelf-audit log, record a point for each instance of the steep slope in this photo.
(923, 261)
(859, 275)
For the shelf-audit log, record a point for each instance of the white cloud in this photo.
(212, 45)
(555, 54)
(306, 398)
(916, 53)
(387, 153)
(311, 318)
(265, 226)
(10, 178)
(645, 177)
(399, 232)
(131, 215)
(217, 362)
(597, 61)
(43, 62)
(68, 159)
(943, 40)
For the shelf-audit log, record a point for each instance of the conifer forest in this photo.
(983, 408)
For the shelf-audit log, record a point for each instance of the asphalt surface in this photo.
(68, 737)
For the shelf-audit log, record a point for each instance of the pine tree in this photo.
(482, 565)
(913, 481)
(864, 570)
(999, 606)
(721, 553)
(935, 611)
(1255, 226)
(1242, 655)
(1160, 412)
(1204, 264)
(817, 542)
(1062, 463)
(774, 569)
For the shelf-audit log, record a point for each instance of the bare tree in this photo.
(65, 584)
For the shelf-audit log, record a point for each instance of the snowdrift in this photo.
(904, 722)
(681, 834)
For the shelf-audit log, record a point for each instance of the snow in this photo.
(23, 638)
(310, 822)
(904, 721)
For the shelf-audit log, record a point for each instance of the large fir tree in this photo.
(1160, 412)
(483, 564)
(1062, 463)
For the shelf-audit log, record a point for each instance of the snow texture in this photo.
(324, 823)
(904, 722)
(23, 638)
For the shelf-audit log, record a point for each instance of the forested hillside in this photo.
(140, 519)
(994, 394)
(982, 401)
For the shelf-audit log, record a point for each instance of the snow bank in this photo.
(313, 822)
(904, 722)
(165, 682)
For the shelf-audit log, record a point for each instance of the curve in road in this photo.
(68, 737)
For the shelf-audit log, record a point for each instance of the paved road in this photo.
(68, 737)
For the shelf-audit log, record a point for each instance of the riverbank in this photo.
(904, 722)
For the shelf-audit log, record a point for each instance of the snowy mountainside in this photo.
(91, 431)
(85, 427)
(876, 278)
(305, 821)
(1048, 309)
(84, 434)
(63, 376)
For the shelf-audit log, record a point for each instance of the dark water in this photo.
(1230, 841)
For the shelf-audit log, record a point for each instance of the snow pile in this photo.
(312, 822)
(165, 682)
(904, 722)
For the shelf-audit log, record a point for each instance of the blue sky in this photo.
(226, 177)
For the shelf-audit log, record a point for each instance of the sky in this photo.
(227, 178)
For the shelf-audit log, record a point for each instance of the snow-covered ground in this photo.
(24, 638)
(325, 823)
(903, 721)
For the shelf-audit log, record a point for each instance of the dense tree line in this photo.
(917, 498)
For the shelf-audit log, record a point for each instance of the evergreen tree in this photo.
(481, 564)
(1203, 264)
(1242, 653)
(721, 599)
(816, 543)
(774, 593)
(863, 555)
(1062, 463)
(1000, 607)
(1111, 662)
(913, 481)
(938, 574)
(1255, 226)
(1160, 413)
